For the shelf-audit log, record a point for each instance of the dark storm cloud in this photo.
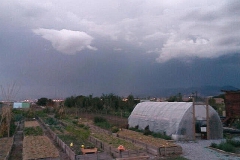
(57, 49)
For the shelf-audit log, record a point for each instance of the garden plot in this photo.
(31, 124)
(115, 142)
(5, 147)
(37, 147)
(157, 142)
(71, 133)
(155, 146)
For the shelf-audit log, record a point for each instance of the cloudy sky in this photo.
(58, 48)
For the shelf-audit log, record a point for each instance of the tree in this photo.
(175, 98)
(42, 101)
(69, 102)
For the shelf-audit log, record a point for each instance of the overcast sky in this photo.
(58, 48)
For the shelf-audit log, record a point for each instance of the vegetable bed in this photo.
(157, 142)
(5, 147)
(115, 142)
(36, 147)
(74, 133)
(31, 124)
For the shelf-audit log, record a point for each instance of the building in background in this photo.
(22, 105)
(232, 104)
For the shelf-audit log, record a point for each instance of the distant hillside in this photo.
(202, 91)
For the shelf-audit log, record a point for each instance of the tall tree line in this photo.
(107, 103)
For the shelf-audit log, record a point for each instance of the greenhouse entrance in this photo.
(201, 129)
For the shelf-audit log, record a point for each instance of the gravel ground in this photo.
(196, 150)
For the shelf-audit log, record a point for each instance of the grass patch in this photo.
(80, 133)
(102, 122)
(33, 131)
(51, 121)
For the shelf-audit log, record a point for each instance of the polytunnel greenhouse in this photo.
(175, 119)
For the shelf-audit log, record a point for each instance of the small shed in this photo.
(21, 105)
(175, 119)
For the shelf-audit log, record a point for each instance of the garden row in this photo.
(68, 129)
(6, 144)
(151, 144)
(155, 146)
(5, 147)
(36, 145)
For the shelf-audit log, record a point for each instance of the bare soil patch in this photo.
(5, 147)
(36, 147)
(31, 124)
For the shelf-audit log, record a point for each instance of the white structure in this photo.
(175, 119)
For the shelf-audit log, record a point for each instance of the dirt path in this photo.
(16, 153)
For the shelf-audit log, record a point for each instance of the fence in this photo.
(99, 144)
(114, 151)
(60, 143)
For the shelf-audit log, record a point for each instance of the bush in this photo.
(236, 124)
(18, 117)
(115, 129)
(102, 122)
(99, 120)
(135, 129)
(86, 127)
(214, 145)
(235, 143)
(81, 125)
(75, 122)
(160, 135)
(226, 147)
(51, 121)
(147, 131)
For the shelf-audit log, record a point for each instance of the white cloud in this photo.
(172, 29)
(66, 41)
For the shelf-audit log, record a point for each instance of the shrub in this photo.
(235, 143)
(99, 120)
(214, 145)
(226, 147)
(160, 135)
(147, 131)
(75, 122)
(81, 125)
(115, 129)
(18, 117)
(51, 121)
(86, 127)
(102, 122)
(135, 129)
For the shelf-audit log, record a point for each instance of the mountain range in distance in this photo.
(202, 91)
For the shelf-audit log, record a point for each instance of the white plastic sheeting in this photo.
(173, 118)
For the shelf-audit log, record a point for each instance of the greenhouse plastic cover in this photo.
(173, 118)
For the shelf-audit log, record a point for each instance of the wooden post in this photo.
(207, 116)
(194, 130)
